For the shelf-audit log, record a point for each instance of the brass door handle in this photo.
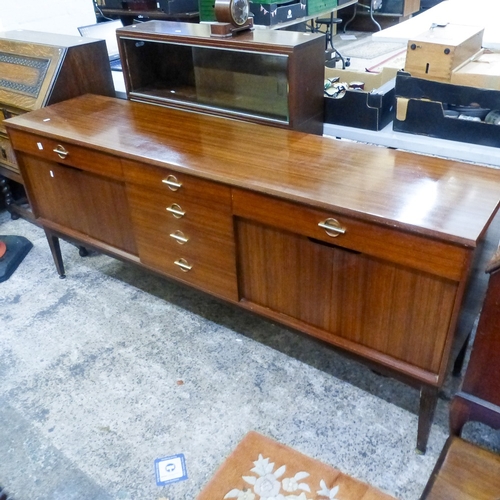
(183, 264)
(179, 237)
(61, 151)
(172, 182)
(176, 210)
(332, 227)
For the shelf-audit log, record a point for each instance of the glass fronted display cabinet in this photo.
(263, 76)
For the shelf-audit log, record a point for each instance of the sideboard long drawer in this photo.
(418, 252)
(195, 190)
(82, 158)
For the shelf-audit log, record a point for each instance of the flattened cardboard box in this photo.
(370, 109)
(421, 106)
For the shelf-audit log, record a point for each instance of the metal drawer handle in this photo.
(176, 211)
(179, 237)
(172, 182)
(61, 152)
(332, 227)
(183, 264)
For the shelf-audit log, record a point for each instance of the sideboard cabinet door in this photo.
(334, 288)
(89, 204)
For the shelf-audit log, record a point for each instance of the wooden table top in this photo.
(444, 199)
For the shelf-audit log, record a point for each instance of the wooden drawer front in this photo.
(418, 252)
(78, 157)
(7, 156)
(177, 212)
(200, 274)
(201, 239)
(199, 191)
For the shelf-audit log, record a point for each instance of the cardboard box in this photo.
(372, 108)
(482, 71)
(438, 51)
(422, 107)
(269, 14)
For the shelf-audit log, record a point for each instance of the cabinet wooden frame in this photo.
(371, 250)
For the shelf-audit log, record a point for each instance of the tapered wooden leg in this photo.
(428, 403)
(55, 248)
(459, 361)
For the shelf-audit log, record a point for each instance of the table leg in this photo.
(428, 403)
(55, 249)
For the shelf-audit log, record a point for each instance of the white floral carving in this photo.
(292, 483)
(267, 485)
(326, 492)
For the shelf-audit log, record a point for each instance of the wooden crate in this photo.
(434, 54)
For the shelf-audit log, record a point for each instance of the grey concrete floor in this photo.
(112, 368)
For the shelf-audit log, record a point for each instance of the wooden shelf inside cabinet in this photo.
(269, 77)
(38, 69)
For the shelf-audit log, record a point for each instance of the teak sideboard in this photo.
(369, 249)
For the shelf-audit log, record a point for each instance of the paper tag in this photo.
(170, 469)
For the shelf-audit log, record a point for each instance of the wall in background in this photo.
(54, 16)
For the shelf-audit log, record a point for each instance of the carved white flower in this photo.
(326, 492)
(240, 494)
(267, 486)
(292, 483)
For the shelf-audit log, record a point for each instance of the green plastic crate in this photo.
(319, 6)
(207, 10)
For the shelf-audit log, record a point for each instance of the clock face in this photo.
(239, 11)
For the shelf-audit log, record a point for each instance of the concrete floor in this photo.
(112, 368)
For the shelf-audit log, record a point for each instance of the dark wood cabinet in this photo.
(271, 77)
(371, 250)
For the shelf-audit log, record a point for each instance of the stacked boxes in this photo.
(449, 89)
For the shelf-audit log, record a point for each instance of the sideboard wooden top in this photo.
(440, 198)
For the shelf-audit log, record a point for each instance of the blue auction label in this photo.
(170, 469)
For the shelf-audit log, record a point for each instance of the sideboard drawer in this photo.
(179, 185)
(183, 227)
(69, 154)
(397, 246)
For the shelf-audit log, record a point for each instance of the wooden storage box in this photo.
(371, 108)
(437, 52)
